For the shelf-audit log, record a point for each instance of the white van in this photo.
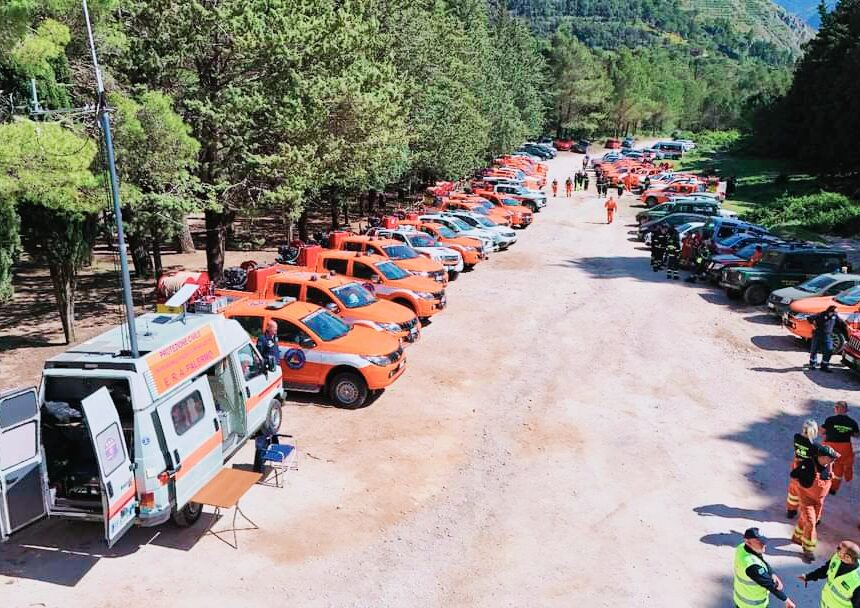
(670, 149)
(124, 440)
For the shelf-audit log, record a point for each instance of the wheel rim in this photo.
(275, 418)
(346, 391)
(838, 343)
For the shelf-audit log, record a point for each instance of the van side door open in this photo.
(22, 497)
(119, 492)
(192, 434)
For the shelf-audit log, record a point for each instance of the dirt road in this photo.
(575, 431)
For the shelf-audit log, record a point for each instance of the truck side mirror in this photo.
(375, 279)
(332, 307)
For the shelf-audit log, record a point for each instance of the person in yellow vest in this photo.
(755, 581)
(842, 587)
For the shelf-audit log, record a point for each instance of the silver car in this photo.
(476, 220)
(490, 241)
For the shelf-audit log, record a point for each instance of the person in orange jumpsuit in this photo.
(757, 255)
(568, 187)
(628, 182)
(555, 187)
(838, 431)
(611, 206)
(804, 443)
(814, 478)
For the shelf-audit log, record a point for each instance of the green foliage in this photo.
(818, 119)
(47, 176)
(580, 86)
(824, 212)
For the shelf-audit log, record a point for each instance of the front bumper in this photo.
(851, 358)
(799, 327)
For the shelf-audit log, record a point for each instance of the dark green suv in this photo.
(780, 267)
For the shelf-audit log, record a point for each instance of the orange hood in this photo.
(361, 340)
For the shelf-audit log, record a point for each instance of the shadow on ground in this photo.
(771, 440)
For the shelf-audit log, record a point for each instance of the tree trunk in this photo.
(217, 223)
(184, 240)
(335, 213)
(156, 254)
(64, 279)
(140, 256)
(303, 226)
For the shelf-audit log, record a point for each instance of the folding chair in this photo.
(277, 457)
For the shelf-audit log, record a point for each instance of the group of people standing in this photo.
(823, 459)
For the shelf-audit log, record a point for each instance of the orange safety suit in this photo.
(802, 450)
(568, 187)
(554, 188)
(811, 506)
(611, 206)
(843, 468)
(628, 182)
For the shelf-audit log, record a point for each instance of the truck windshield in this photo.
(391, 271)
(400, 252)
(460, 223)
(849, 298)
(327, 326)
(486, 222)
(446, 232)
(816, 284)
(422, 240)
(510, 202)
(353, 295)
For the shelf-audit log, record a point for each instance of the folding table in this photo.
(224, 492)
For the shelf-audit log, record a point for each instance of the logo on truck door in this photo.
(295, 358)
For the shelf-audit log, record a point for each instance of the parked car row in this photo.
(794, 279)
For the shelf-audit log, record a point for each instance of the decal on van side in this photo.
(175, 362)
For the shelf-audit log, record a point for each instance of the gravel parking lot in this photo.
(574, 431)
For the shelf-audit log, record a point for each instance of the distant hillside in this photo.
(758, 29)
(761, 19)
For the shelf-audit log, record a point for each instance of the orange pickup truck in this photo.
(400, 253)
(425, 297)
(346, 297)
(319, 352)
(522, 216)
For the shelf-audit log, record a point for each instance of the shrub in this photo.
(825, 212)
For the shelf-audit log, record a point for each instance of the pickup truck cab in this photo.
(780, 267)
(398, 252)
(346, 297)
(674, 219)
(721, 229)
(470, 248)
(122, 440)
(322, 353)
(828, 284)
(535, 200)
(490, 241)
(508, 236)
(449, 257)
(425, 297)
(655, 196)
(847, 303)
(477, 205)
(522, 217)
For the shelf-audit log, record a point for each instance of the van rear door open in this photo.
(22, 497)
(119, 493)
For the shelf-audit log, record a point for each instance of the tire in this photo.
(532, 206)
(733, 294)
(348, 390)
(650, 201)
(468, 267)
(273, 418)
(756, 295)
(188, 515)
(452, 276)
(839, 340)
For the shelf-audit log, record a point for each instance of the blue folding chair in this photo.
(275, 457)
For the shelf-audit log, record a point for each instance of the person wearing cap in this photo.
(822, 337)
(813, 477)
(754, 579)
(804, 443)
(842, 589)
(839, 429)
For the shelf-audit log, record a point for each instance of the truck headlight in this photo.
(389, 326)
(381, 361)
(785, 300)
(425, 295)
(421, 273)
